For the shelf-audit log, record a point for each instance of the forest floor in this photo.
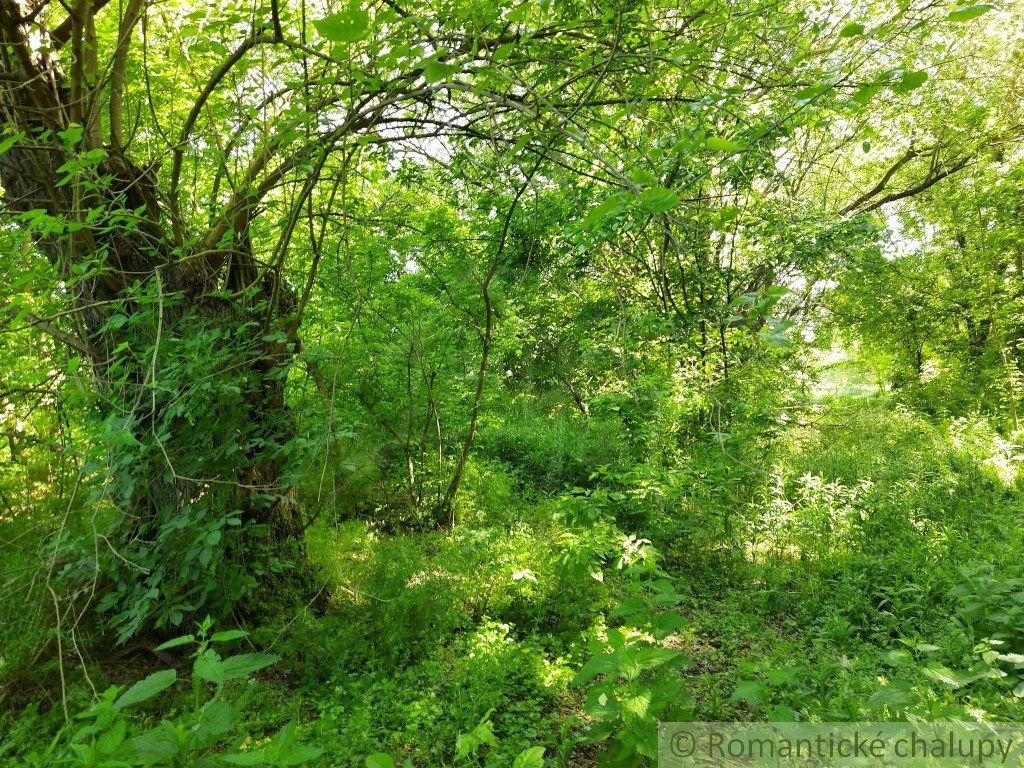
(837, 600)
(868, 562)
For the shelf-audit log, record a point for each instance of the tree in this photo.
(170, 244)
(185, 176)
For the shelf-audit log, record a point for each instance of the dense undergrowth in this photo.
(862, 563)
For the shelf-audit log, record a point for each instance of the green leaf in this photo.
(112, 738)
(613, 204)
(910, 81)
(968, 13)
(598, 665)
(749, 691)
(10, 141)
(531, 757)
(852, 30)
(643, 178)
(780, 713)
(951, 677)
(658, 200)
(147, 688)
(244, 758)
(209, 667)
(898, 657)
(668, 623)
(345, 26)
(811, 92)
(178, 641)
(720, 144)
(216, 719)
(781, 675)
(228, 635)
(894, 695)
(72, 134)
(865, 93)
(159, 745)
(379, 760)
(601, 704)
(435, 71)
(245, 664)
(115, 322)
(502, 52)
(298, 754)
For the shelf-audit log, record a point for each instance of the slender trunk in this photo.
(446, 513)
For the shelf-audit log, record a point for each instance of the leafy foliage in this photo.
(528, 373)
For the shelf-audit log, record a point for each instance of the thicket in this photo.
(463, 383)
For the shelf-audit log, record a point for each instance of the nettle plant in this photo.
(632, 680)
(992, 606)
(471, 750)
(925, 687)
(207, 734)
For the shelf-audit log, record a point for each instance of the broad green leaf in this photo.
(216, 719)
(157, 746)
(601, 703)
(611, 205)
(865, 93)
(951, 677)
(597, 665)
(749, 691)
(147, 688)
(245, 664)
(71, 135)
(638, 706)
(852, 30)
(968, 13)
(435, 71)
(502, 52)
(531, 757)
(780, 713)
(898, 657)
(910, 81)
(658, 200)
(112, 738)
(298, 754)
(379, 760)
(345, 26)
(642, 177)
(781, 675)
(10, 141)
(812, 92)
(896, 694)
(209, 667)
(669, 622)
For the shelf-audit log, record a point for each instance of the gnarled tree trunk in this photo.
(161, 322)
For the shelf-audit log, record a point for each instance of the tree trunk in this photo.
(189, 348)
